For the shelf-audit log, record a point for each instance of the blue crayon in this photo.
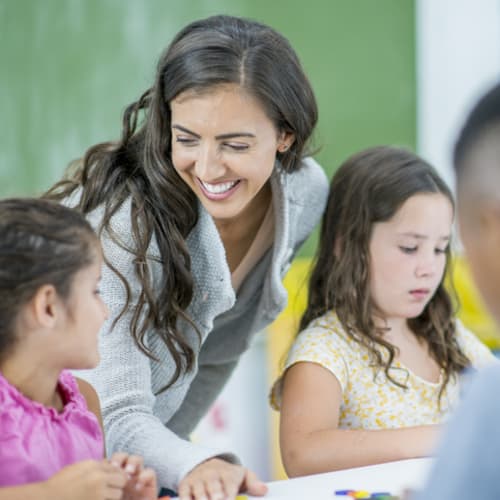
(344, 492)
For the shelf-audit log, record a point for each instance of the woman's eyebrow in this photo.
(186, 130)
(230, 135)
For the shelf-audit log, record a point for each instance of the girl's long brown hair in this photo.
(210, 52)
(368, 188)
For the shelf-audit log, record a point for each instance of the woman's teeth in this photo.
(219, 188)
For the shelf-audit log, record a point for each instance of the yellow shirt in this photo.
(369, 399)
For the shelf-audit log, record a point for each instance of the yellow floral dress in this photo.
(369, 399)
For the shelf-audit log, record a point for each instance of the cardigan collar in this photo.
(213, 292)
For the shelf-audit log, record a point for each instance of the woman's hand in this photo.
(217, 479)
(141, 482)
(99, 480)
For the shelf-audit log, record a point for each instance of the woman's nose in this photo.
(208, 164)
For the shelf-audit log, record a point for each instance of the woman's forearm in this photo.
(335, 449)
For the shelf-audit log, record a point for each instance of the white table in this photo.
(392, 477)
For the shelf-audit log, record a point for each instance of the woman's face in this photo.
(408, 255)
(224, 147)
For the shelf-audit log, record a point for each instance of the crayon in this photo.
(362, 494)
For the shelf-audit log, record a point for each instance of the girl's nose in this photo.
(426, 266)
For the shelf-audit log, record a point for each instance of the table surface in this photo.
(392, 477)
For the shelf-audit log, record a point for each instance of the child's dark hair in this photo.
(483, 116)
(368, 188)
(41, 242)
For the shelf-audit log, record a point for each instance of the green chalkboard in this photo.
(69, 67)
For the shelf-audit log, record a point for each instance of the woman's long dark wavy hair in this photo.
(207, 53)
(368, 188)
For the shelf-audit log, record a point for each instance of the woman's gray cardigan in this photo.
(157, 426)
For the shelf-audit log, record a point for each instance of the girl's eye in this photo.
(408, 250)
(441, 250)
(97, 291)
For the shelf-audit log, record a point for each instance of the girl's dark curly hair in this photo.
(368, 188)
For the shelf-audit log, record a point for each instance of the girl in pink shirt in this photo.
(51, 442)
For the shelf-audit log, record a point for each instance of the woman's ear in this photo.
(45, 306)
(285, 141)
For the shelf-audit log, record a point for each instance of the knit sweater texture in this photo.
(137, 417)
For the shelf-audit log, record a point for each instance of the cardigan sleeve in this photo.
(124, 378)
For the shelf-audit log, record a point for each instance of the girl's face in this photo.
(224, 147)
(84, 314)
(407, 255)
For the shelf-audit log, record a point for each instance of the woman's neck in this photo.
(237, 234)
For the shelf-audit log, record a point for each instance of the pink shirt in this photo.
(36, 441)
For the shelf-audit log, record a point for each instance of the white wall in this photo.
(458, 58)
(239, 418)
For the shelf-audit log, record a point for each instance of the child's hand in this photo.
(141, 482)
(217, 479)
(98, 480)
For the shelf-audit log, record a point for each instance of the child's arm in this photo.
(309, 436)
(98, 480)
(93, 404)
(141, 481)
(35, 490)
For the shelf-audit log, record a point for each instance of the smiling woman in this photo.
(215, 151)
(200, 209)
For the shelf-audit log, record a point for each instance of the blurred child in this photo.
(374, 369)
(51, 443)
(467, 464)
